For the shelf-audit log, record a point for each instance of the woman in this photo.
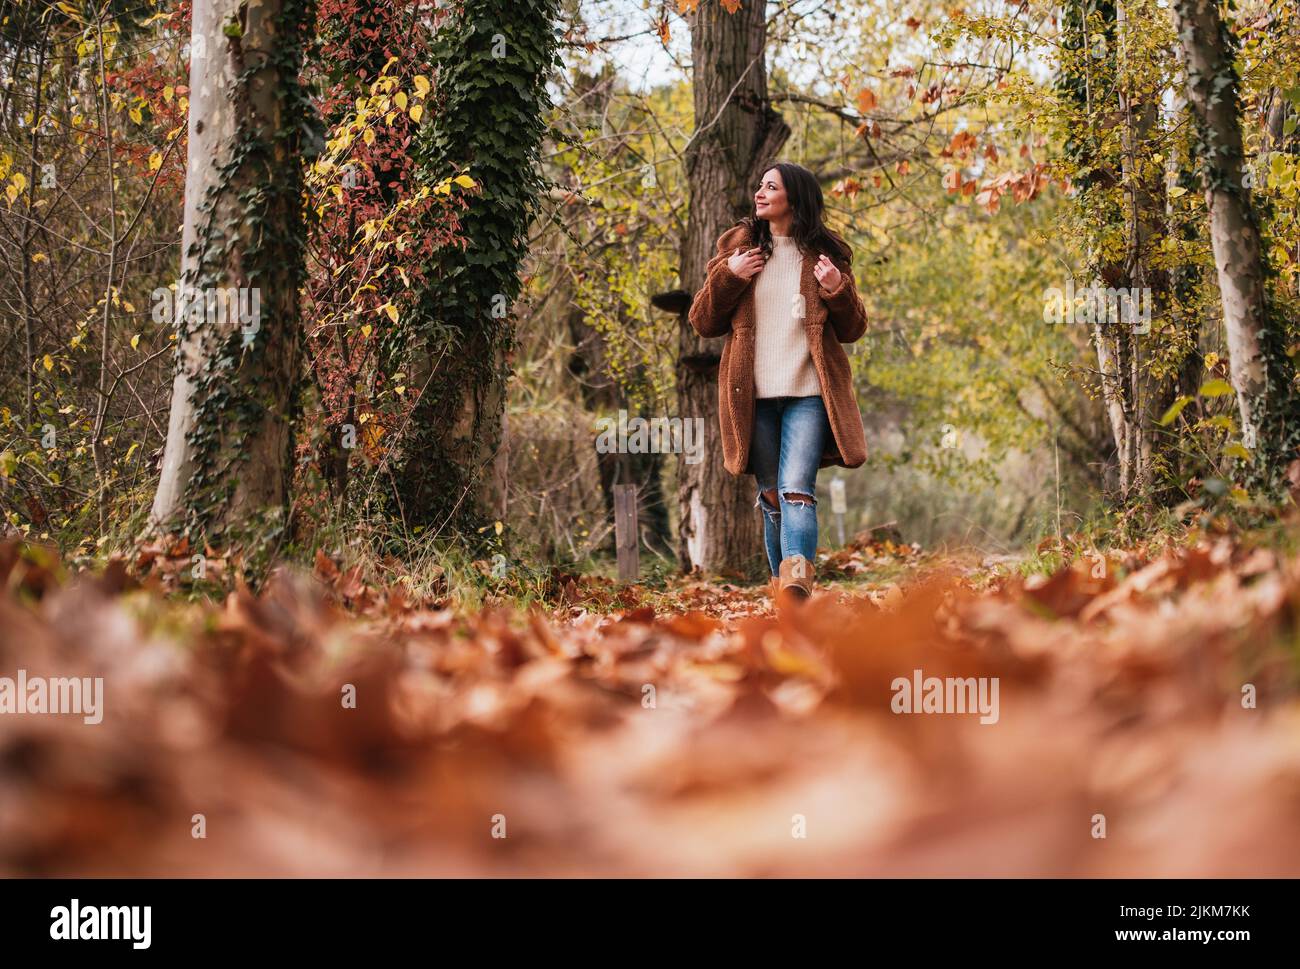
(781, 290)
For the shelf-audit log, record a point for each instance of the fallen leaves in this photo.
(328, 725)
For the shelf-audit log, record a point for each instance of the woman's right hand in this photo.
(746, 263)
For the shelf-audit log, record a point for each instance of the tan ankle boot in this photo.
(796, 579)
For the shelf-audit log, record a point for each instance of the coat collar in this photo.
(811, 291)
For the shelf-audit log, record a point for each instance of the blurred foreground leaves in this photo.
(685, 733)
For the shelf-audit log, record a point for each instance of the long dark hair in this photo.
(808, 229)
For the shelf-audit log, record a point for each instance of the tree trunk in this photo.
(1185, 279)
(1088, 80)
(602, 395)
(1280, 111)
(28, 234)
(491, 62)
(736, 134)
(1261, 373)
(228, 457)
(1113, 393)
(1144, 226)
(589, 366)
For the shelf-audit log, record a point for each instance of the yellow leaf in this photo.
(421, 85)
(365, 329)
(369, 136)
(727, 672)
(40, 257)
(464, 181)
(391, 310)
(20, 181)
(129, 307)
(499, 527)
(48, 362)
(1177, 191)
(169, 92)
(135, 342)
(417, 112)
(136, 115)
(155, 161)
(400, 99)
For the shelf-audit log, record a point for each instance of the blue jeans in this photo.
(785, 450)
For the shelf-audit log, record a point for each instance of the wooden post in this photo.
(838, 504)
(626, 535)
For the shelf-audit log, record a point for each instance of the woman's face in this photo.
(770, 200)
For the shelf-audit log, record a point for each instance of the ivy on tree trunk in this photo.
(227, 463)
(1262, 374)
(490, 61)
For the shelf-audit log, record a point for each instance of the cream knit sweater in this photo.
(782, 364)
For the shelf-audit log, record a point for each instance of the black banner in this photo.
(334, 918)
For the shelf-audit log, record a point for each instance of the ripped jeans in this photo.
(789, 436)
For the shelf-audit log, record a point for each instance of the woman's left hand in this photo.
(828, 277)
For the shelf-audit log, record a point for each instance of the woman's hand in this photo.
(746, 263)
(827, 275)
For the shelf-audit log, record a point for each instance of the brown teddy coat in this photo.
(725, 306)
